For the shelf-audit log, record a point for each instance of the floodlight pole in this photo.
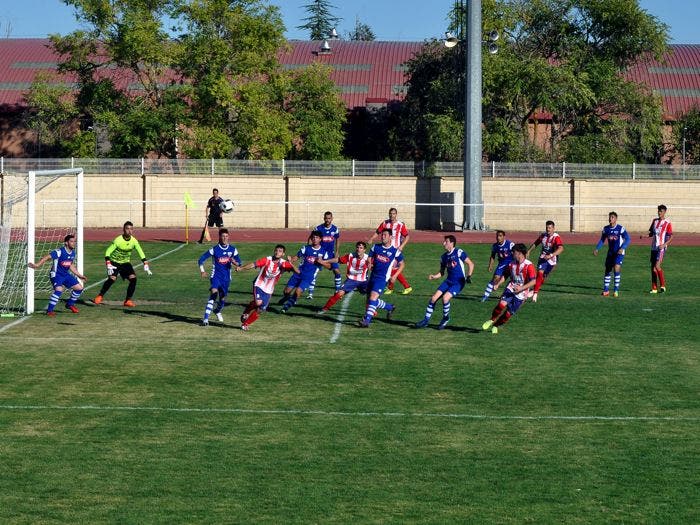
(473, 205)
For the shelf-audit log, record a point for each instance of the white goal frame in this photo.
(31, 224)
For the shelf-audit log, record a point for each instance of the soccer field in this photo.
(583, 409)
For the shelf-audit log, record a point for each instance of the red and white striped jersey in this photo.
(270, 272)
(661, 230)
(357, 266)
(549, 243)
(520, 274)
(398, 231)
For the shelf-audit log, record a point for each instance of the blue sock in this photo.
(74, 296)
(429, 310)
(210, 306)
(53, 300)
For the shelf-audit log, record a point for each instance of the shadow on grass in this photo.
(170, 317)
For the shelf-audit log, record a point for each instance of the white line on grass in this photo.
(299, 412)
(27, 317)
(341, 317)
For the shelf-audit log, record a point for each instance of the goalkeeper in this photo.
(118, 261)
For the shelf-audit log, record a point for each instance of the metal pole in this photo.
(472, 121)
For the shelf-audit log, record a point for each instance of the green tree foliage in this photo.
(215, 89)
(362, 32)
(560, 64)
(320, 21)
(689, 128)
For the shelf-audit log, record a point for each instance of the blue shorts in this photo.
(67, 281)
(350, 286)
(301, 280)
(501, 268)
(259, 295)
(376, 284)
(220, 283)
(452, 287)
(612, 260)
(512, 302)
(544, 266)
(657, 256)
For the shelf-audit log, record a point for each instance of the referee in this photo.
(213, 213)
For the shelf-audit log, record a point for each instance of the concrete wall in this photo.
(362, 202)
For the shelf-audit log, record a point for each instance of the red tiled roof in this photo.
(365, 72)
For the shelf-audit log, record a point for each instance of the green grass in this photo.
(142, 416)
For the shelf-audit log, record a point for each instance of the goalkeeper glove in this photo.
(147, 269)
(111, 269)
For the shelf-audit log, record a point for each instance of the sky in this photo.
(393, 20)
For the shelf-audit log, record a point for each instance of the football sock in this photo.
(249, 308)
(489, 289)
(291, 301)
(74, 295)
(312, 286)
(210, 305)
(662, 277)
(617, 281)
(606, 281)
(503, 319)
(220, 306)
(106, 286)
(429, 310)
(131, 288)
(497, 311)
(252, 317)
(653, 278)
(446, 309)
(338, 282)
(403, 281)
(371, 309)
(333, 299)
(53, 300)
(539, 281)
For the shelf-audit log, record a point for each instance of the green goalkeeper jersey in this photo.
(120, 250)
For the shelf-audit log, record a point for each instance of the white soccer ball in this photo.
(226, 206)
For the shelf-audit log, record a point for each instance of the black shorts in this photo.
(124, 270)
(215, 220)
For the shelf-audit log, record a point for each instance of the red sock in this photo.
(334, 299)
(497, 311)
(504, 319)
(252, 317)
(653, 278)
(403, 281)
(251, 306)
(662, 278)
(539, 281)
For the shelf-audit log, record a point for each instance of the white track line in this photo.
(299, 412)
(27, 317)
(341, 317)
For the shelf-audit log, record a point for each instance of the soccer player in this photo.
(384, 256)
(212, 213)
(358, 265)
(118, 261)
(522, 278)
(313, 256)
(399, 240)
(661, 232)
(501, 250)
(271, 268)
(618, 240)
(224, 256)
(330, 234)
(552, 246)
(452, 262)
(63, 274)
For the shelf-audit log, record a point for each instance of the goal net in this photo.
(37, 210)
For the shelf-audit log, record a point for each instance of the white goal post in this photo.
(34, 221)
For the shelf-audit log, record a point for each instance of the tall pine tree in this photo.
(320, 21)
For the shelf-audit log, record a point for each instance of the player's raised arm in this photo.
(40, 263)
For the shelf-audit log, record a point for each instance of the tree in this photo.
(362, 32)
(320, 21)
(562, 60)
(688, 127)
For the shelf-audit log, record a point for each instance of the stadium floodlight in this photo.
(450, 40)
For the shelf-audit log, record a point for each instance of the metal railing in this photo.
(352, 168)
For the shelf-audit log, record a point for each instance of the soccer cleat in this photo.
(284, 310)
(362, 323)
(662, 289)
(488, 324)
(204, 322)
(616, 294)
(494, 329)
(422, 323)
(244, 327)
(605, 293)
(51, 313)
(484, 299)
(390, 314)
(129, 303)
(653, 290)
(244, 317)
(443, 323)
(310, 296)
(98, 299)
(219, 317)
(72, 308)
(321, 311)
(534, 297)
(407, 291)
(388, 291)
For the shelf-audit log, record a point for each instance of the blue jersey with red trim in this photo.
(617, 238)
(223, 258)
(383, 260)
(453, 264)
(328, 237)
(309, 255)
(503, 252)
(62, 261)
